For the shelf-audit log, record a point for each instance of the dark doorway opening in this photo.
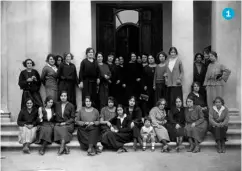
(127, 40)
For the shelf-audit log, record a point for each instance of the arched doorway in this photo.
(127, 40)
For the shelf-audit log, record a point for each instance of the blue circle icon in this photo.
(228, 13)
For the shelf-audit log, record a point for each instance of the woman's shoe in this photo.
(120, 150)
(41, 151)
(61, 151)
(152, 149)
(135, 145)
(223, 150)
(191, 148)
(67, 150)
(196, 149)
(144, 148)
(91, 152)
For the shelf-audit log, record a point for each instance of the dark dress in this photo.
(88, 134)
(30, 89)
(67, 81)
(200, 101)
(116, 87)
(159, 83)
(112, 69)
(219, 133)
(113, 140)
(147, 80)
(175, 116)
(195, 116)
(88, 74)
(132, 86)
(68, 116)
(104, 85)
(121, 97)
(199, 77)
(45, 128)
(136, 118)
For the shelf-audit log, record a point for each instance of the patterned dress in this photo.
(157, 117)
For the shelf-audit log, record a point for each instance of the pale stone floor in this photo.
(206, 160)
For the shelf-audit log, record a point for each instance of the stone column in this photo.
(226, 41)
(182, 39)
(80, 34)
(28, 35)
(5, 114)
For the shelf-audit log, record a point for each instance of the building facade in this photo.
(32, 29)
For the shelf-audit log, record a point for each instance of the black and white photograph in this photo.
(105, 85)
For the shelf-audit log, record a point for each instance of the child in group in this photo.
(148, 134)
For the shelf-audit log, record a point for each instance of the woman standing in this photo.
(135, 115)
(105, 75)
(27, 121)
(88, 131)
(122, 98)
(159, 77)
(120, 133)
(196, 125)
(58, 60)
(158, 117)
(174, 77)
(118, 81)
(68, 78)
(49, 77)
(89, 76)
(29, 82)
(46, 119)
(199, 100)
(64, 119)
(199, 72)
(147, 80)
(132, 77)
(218, 121)
(144, 60)
(176, 124)
(216, 76)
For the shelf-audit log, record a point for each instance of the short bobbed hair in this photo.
(158, 103)
(173, 48)
(25, 62)
(89, 49)
(48, 98)
(99, 53)
(65, 55)
(219, 98)
(158, 56)
(64, 91)
(214, 54)
(195, 83)
(29, 99)
(198, 54)
(49, 56)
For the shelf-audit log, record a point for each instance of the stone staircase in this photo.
(9, 136)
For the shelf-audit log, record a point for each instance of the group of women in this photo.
(136, 86)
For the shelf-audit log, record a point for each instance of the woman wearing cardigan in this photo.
(174, 77)
(218, 123)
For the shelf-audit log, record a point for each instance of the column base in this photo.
(5, 116)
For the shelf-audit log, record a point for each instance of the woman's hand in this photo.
(91, 123)
(29, 79)
(62, 123)
(138, 79)
(178, 82)
(106, 77)
(132, 125)
(81, 85)
(34, 78)
(154, 87)
(98, 81)
(193, 124)
(118, 81)
(112, 129)
(109, 124)
(178, 126)
(29, 126)
(124, 85)
(145, 88)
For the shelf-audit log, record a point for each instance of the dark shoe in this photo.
(196, 149)
(166, 148)
(120, 150)
(223, 150)
(91, 152)
(144, 148)
(135, 145)
(98, 149)
(41, 151)
(219, 150)
(191, 148)
(67, 150)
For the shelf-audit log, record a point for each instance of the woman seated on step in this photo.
(88, 131)
(120, 131)
(176, 124)
(27, 121)
(196, 125)
(46, 118)
(218, 123)
(64, 123)
(158, 118)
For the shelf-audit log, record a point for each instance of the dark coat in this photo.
(68, 116)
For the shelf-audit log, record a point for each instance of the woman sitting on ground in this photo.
(158, 118)
(218, 123)
(88, 131)
(120, 133)
(64, 127)
(27, 121)
(196, 125)
(46, 118)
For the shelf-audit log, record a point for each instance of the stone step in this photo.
(75, 145)
(12, 136)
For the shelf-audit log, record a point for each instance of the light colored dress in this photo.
(214, 86)
(49, 79)
(157, 117)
